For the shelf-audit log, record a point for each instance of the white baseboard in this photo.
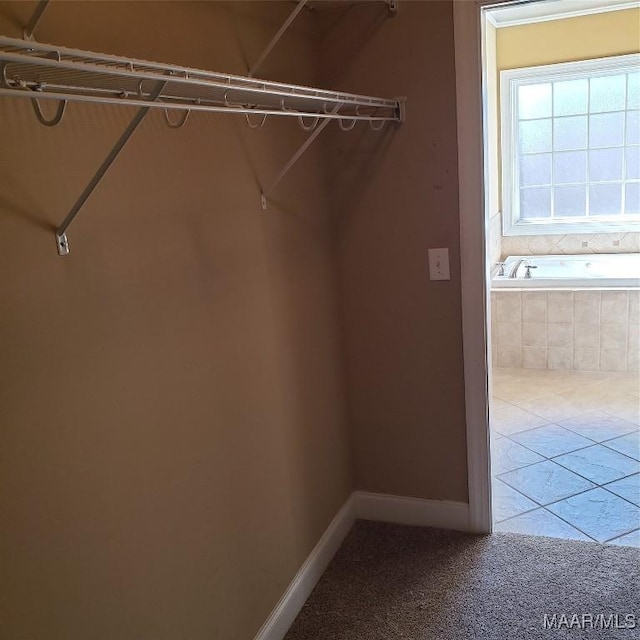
(419, 512)
(366, 506)
(285, 612)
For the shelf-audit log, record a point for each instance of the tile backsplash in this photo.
(579, 330)
(568, 244)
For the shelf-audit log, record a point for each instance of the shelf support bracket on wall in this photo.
(62, 242)
(32, 25)
(296, 156)
(274, 41)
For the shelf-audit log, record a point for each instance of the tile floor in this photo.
(565, 454)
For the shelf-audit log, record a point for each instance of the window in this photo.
(571, 147)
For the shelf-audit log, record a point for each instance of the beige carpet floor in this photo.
(389, 582)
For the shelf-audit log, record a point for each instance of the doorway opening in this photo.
(561, 87)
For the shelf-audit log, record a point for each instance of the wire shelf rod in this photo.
(36, 95)
(139, 70)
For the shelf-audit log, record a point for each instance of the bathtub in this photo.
(590, 271)
(579, 313)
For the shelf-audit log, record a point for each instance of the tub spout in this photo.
(514, 270)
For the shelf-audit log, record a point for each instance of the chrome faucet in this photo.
(500, 266)
(527, 269)
(514, 270)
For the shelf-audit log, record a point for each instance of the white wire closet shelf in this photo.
(36, 71)
(33, 70)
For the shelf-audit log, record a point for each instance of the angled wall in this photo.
(393, 196)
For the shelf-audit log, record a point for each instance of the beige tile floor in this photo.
(566, 454)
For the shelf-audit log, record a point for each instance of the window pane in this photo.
(605, 164)
(633, 163)
(569, 166)
(535, 136)
(605, 199)
(633, 127)
(608, 93)
(570, 97)
(535, 169)
(570, 201)
(570, 133)
(606, 130)
(632, 198)
(534, 101)
(633, 89)
(535, 203)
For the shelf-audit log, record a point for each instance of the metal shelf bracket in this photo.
(62, 242)
(392, 6)
(296, 156)
(37, 71)
(32, 25)
(274, 41)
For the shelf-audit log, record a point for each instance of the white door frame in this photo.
(468, 29)
(473, 202)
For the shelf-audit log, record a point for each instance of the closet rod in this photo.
(163, 104)
(49, 69)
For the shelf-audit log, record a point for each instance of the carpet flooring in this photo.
(389, 582)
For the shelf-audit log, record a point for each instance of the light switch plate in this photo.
(439, 264)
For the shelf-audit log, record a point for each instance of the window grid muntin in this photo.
(587, 149)
(552, 79)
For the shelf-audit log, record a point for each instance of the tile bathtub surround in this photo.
(566, 330)
(495, 238)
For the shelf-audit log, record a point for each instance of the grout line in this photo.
(571, 524)
(520, 492)
(579, 474)
(583, 476)
(559, 499)
(637, 428)
(545, 507)
(603, 444)
(602, 486)
(621, 536)
(579, 381)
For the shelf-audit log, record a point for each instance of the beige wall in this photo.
(593, 36)
(393, 197)
(586, 37)
(173, 429)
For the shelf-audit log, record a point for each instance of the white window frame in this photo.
(510, 80)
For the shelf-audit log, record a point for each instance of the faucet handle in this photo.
(527, 269)
(500, 266)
